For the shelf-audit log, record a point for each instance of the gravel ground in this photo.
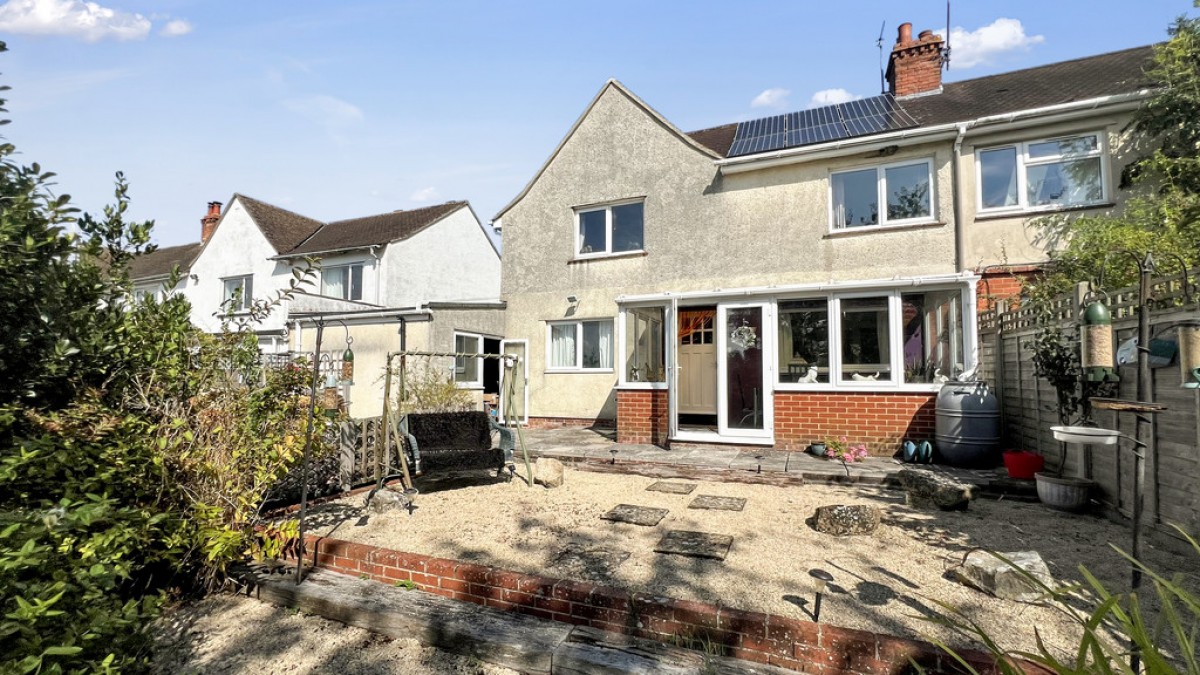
(237, 635)
(883, 582)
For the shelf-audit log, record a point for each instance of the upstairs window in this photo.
(609, 230)
(238, 294)
(343, 281)
(904, 188)
(1042, 175)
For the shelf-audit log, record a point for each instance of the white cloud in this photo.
(87, 21)
(982, 45)
(325, 110)
(175, 28)
(425, 195)
(831, 97)
(775, 97)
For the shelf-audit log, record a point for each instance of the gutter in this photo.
(1016, 119)
(871, 284)
(406, 314)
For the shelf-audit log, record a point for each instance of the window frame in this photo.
(477, 383)
(247, 299)
(1023, 162)
(969, 322)
(881, 195)
(607, 207)
(578, 367)
(349, 280)
(668, 331)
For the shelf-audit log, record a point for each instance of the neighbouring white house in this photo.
(805, 275)
(424, 278)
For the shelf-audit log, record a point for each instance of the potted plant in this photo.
(841, 449)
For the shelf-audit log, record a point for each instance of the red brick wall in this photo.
(998, 284)
(568, 422)
(916, 65)
(642, 416)
(805, 646)
(881, 420)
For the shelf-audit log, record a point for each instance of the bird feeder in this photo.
(331, 402)
(1189, 355)
(347, 365)
(1097, 352)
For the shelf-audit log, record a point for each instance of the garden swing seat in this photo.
(444, 444)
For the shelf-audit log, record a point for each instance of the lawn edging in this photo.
(753, 636)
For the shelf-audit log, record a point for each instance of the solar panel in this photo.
(862, 117)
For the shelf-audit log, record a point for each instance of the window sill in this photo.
(642, 386)
(1034, 213)
(872, 229)
(858, 388)
(579, 371)
(607, 256)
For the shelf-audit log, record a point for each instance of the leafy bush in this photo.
(427, 388)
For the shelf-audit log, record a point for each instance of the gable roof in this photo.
(654, 114)
(161, 262)
(1120, 72)
(374, 230)
(283, 229)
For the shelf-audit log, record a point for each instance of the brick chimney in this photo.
(915, 66)
(209, 222)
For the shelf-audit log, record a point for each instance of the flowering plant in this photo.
(842, 449)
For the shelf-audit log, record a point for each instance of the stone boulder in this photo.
(548, 472)
(843, 520)
(390, 500)
(929, 490)
(986, 572)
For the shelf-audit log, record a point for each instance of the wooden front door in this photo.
(697, 362)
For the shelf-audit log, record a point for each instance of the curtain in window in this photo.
(562, 346)
(333, 282)
(606, 344)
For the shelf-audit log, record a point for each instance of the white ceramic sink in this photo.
(1086, 435)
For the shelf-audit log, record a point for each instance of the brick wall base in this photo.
(881, 420)
(642, 416)
(763, 638)
(569, 423)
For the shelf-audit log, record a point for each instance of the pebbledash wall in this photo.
(816, 648)
(881, 420)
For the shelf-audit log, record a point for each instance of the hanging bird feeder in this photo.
(1098, 360)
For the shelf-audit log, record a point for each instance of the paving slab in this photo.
(695, 544)
(635, 515)
(672, 488)
(767, 460)
(718, 503)
(706, 457)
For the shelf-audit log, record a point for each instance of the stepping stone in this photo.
(715, 503)
(594, 564)
(673, 488)
(635, 515)
(695, 544)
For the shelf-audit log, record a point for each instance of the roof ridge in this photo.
(1056, 63)
(239, 195)
(459, 202)
(715, 126)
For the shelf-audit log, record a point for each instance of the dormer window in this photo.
(613, 229)
(342, 281)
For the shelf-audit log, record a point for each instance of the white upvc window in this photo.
(610, 229)
(1042, 175)
(238, 293)
(901, 338)
(468, 370)
(343, 281)
(643, 339)
(574, 346)
(905, 189)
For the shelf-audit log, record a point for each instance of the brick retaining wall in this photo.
(881, 420)
(805, 646)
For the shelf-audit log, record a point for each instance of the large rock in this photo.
(842, 519)
(548, 472)
(988, 573)
(389, 500)
(929, 490)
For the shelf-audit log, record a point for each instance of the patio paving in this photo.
(593, 447)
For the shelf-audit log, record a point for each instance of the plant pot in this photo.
(1064, 494)
(1023, 464)
(817, 449)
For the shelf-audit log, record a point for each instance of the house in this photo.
(813, 274)
(424, 278)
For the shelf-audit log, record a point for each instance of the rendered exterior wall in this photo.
(237, 248)
(452, 259)
(702, 232)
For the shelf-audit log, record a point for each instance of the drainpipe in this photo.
(378, 272)
(299, 336)
(960, 228)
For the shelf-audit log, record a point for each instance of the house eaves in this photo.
(654, 114)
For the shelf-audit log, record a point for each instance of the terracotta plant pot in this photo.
(1023, 464)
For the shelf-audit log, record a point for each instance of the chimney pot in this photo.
(925, 34)
(904, 34)
(209, 222)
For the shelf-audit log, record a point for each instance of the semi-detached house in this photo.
(811, 274)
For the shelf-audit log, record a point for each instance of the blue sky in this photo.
(338, 110)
